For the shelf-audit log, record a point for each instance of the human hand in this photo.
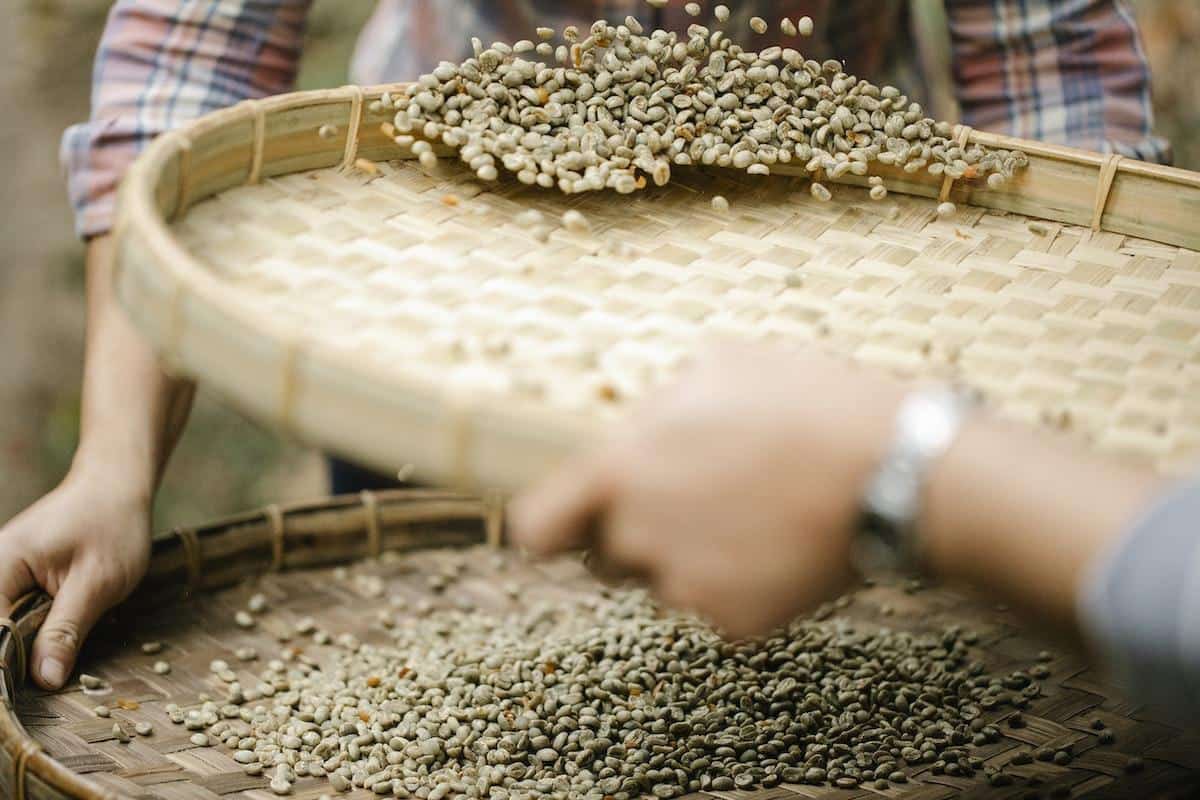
(734, 491)
(87, 544)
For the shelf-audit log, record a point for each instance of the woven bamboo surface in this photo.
(77, 753)
(400, 317)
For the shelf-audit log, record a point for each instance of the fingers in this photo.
(562, 513)
(77, 607)
(611, 563)
(15, 582)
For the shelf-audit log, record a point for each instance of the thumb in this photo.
(555, 515)
(76, 608)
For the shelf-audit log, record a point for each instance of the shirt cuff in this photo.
(94, 157)
(1139, 605)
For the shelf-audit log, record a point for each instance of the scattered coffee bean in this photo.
(576, 222)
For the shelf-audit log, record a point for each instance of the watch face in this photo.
(928, 424)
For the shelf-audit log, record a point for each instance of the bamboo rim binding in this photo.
(962, 137)
(1108, 175)
(354, 126)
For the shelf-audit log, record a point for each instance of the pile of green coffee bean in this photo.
(616, 108)
(605, 695)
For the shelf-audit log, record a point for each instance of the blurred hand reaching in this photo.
(734, 492)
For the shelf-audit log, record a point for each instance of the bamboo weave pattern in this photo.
(434, 277)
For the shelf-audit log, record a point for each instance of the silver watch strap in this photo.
(926, 425)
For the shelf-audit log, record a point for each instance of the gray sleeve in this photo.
(1140, 605)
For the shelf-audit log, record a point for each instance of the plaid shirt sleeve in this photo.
(162, 63)
(1066, 71)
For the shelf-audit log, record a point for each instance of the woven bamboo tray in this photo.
(53, 747)
(398, 317)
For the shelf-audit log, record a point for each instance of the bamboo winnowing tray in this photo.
(399, 317)
(53, 747)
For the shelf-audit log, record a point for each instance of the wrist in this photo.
(854, 451)
(123, 475)
(1022, 514)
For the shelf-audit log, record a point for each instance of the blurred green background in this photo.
(226, 463)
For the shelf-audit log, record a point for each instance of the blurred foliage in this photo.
(225, 462)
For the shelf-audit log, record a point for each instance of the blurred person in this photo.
(1069, 71)
(753, 488)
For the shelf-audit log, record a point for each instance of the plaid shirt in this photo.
(1069, 71)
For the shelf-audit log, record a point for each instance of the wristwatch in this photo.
(926, 425)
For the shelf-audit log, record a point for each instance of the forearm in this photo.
(1024, 516)
(133, 412)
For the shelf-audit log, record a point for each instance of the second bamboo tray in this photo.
(53, 747)
(332, 287)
